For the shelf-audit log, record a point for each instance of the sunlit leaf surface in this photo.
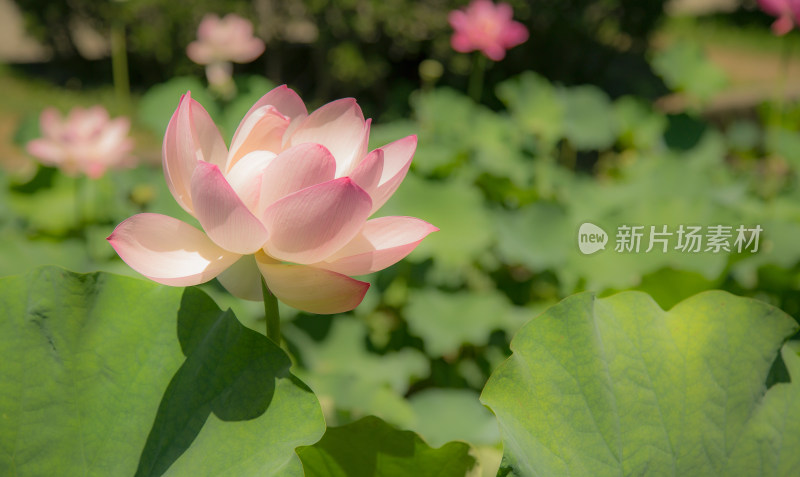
(105, 374)
(617, 386)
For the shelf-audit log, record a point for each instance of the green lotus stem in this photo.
(119, 65)
(475, 87)
(271, 313)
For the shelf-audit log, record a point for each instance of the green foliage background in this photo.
(369, 49)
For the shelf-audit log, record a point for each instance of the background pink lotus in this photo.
(220, 42)
(786, 11)
(486, 27)
(290, 201)
(85, 141)
(224, 40)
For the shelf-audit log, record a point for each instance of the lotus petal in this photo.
(245, 177)
(296, 168)
(339, 126)
(191, 136)
(243, 279)
(312, 289)
(313, 223)
(169, 251)
(397, 158)
(223, 215)
(262, 130)
(381, 243)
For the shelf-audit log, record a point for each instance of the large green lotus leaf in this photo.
(371, 448)
(589, 119)
(617, 386)
(96, 383)
(347, 377)
(446, 321)
(770, 441)
(260, 411)
(454, 206)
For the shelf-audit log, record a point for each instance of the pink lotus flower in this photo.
(225, 40)
(787, 11)
(290, 200)
(86, 141)
(486, 27)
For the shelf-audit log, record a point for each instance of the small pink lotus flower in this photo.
(786, 11)
(289, 201)
(86, 141)
(486, 27)
(225, 40)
